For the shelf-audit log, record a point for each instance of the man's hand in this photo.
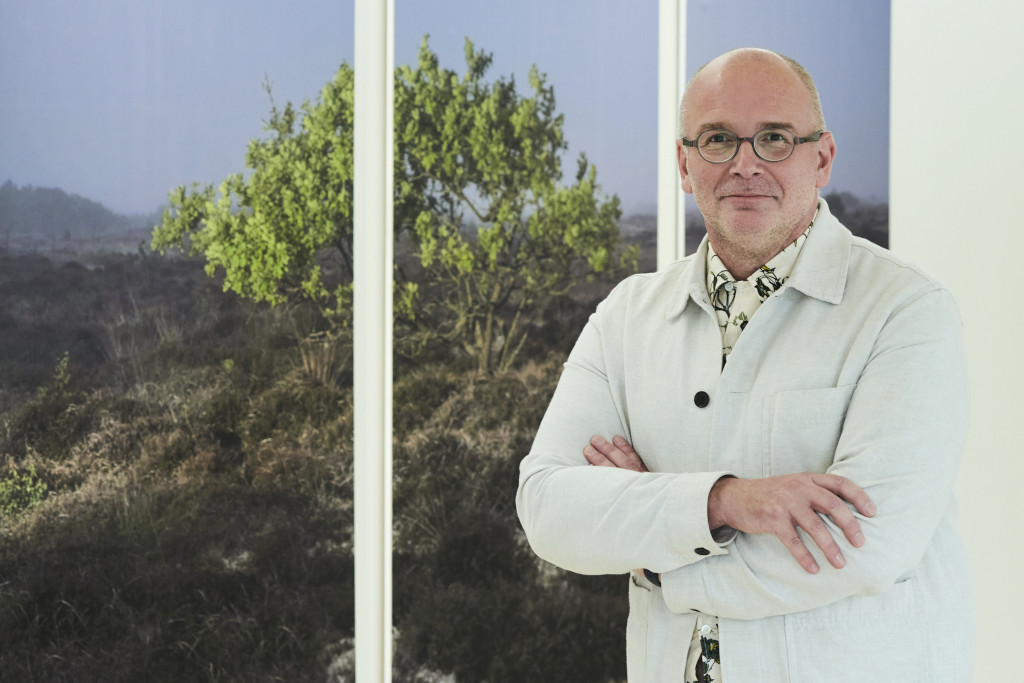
(778, 505)
(774, 505)
(614, 453)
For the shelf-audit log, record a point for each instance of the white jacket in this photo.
(854, 367)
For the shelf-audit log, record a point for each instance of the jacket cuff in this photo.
(692, 540)
(683, 588)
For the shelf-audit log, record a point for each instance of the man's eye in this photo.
(717, 138)
(774, 136)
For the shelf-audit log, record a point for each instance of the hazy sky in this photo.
(121, 100)
(845, 46)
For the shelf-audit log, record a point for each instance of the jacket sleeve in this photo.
(901, 441)
(603, 520)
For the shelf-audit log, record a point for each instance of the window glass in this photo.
(503, 254)
(175, 479)
(845, 47)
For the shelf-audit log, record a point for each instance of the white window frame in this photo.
(373, 229)
(671, 82)
(372, 331)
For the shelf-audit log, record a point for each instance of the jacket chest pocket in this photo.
(801, 429)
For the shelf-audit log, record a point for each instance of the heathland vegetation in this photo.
(176, 472)
(176, 493)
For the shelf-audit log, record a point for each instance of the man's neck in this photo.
(743, 265)
(741, 269)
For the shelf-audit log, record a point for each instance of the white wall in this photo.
(957, 185)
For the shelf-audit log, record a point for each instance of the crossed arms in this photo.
(771, 505)
(900, 442)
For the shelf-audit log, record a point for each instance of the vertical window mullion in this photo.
(671, 75)
(372, 334)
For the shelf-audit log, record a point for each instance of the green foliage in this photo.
(468, 149)
(57, 390)
(284, 233)
(53, 421)
(19, 491)
(465, 149)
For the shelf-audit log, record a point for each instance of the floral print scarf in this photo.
(734, 303)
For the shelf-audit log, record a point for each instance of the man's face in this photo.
(753, 208)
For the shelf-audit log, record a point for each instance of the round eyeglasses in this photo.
(718, 146)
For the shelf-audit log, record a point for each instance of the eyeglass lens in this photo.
(771, 144)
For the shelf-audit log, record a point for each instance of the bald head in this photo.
(746, 59)
(754, 207)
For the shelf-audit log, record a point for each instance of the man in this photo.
(787, 409)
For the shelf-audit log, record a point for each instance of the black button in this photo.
(702, 551)
(701, 399)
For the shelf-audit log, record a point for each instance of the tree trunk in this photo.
(484, 345)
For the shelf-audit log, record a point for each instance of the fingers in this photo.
(596, 457)
(615, 453)
(791, 539)
(842, 490)
(847, 490)
(624, 447)
(819, 532)
(810, 520)
(834, 494)
(814, 526)
(839, 512)
(786, 504)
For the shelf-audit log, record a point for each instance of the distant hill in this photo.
(48, 211)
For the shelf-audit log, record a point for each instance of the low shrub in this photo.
(183, 511)
(470, 598)
(19, 490)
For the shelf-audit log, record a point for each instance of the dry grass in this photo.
(197, 524)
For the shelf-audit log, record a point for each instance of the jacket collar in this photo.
(819, 272)
(821, 269)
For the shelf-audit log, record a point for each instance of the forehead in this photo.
(744, 93)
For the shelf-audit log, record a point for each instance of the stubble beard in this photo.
(738, 239)
(744, 249)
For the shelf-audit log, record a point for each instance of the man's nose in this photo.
(746, 163)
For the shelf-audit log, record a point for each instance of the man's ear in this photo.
(826, 155)
(683, 174)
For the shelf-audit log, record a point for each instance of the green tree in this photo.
(470, 149)
(284, 234)
(464, 149)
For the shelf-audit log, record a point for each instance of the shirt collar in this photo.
(767, 279)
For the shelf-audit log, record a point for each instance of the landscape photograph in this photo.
(176, 304)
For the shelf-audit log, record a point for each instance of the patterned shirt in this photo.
(735, 304)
